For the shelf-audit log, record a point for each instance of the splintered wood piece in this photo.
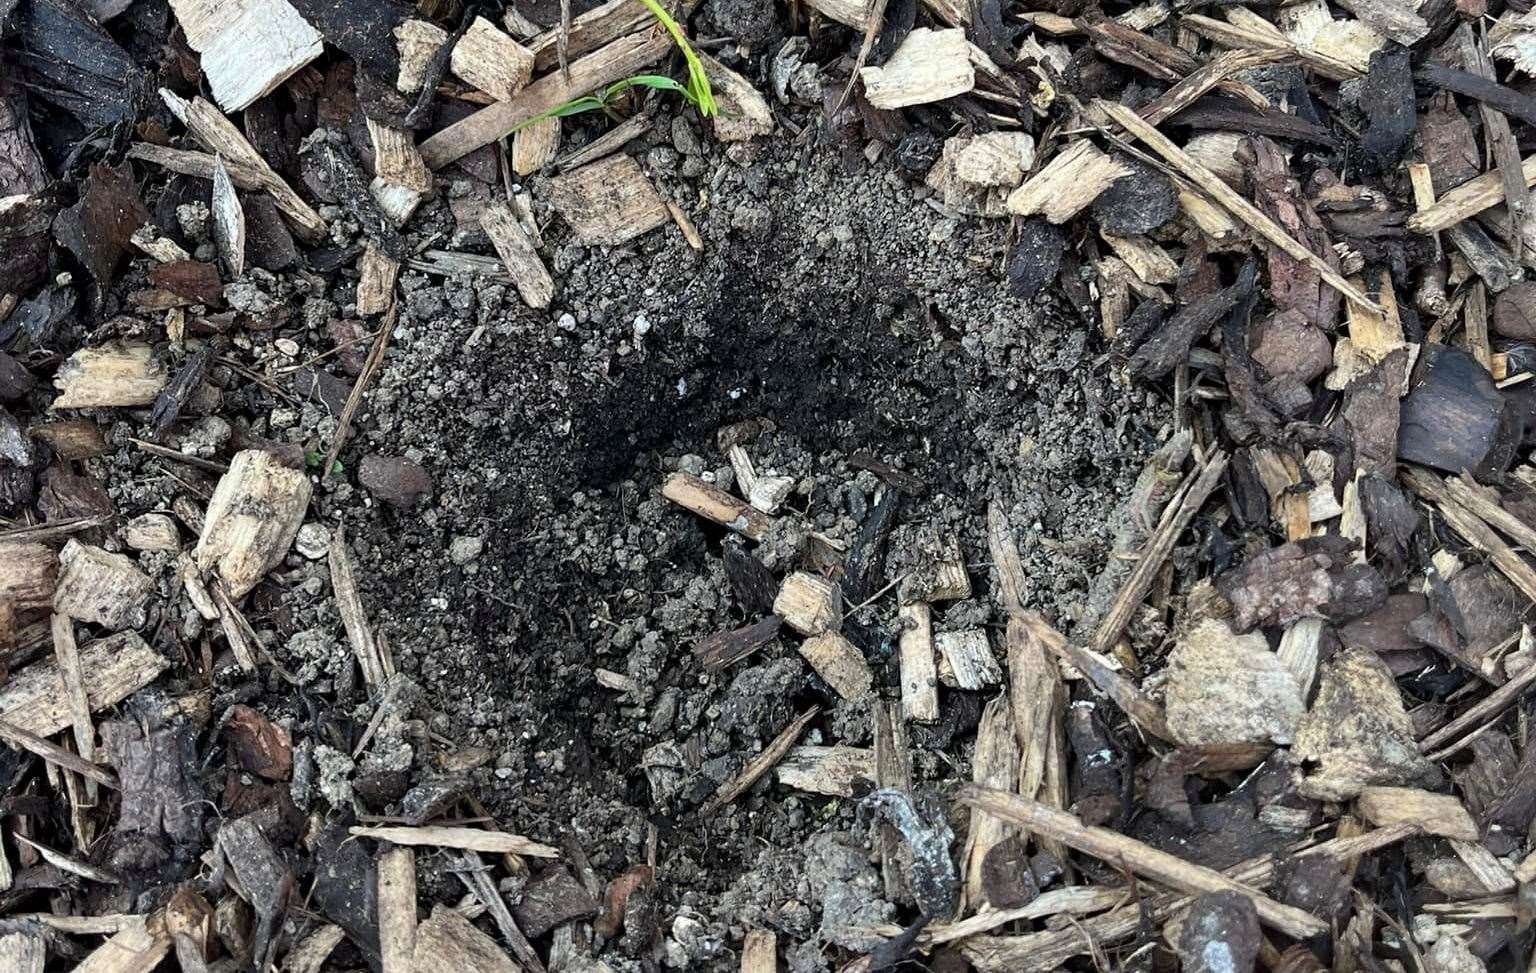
(833, 771)
(1298, 652)
(190, 162)
(529, 276)
(1468, 199)
(248, 47)
(966, 660)
(893, 770)
(609, 202)
(590, 31)
(617, 60)
(1229, 198)
(467, 839)
(1146, 259)
(685, 226)
(377, 273)
(995, 764)
(102, 587)
(714, 504)
(930, 65)
(29, 574)
(491, 61)
(919, 674)
(1102, 673)
(136, 948)
(1067, 184)
(375, 660)
(25, 952)
(400, 178)
(396, 891)
(1473, 529)
(110, 375)
(416, 41)
(312, 952)
(228, 220)
(760, 764)
(609, 142)
(447, 941)
(759, 952)
(1476, 715)
(67, 654)
(809, 604)
(1490, 872)
(744, 113)
(1035, 687)
(220, 136)
(722, 649)
(1011, 580)
(1437, 814)
(1141, 859)
(113, 669)
(535, 146)
(1197, 83)
(252, 519)
(840, 663)
(57, 755)
(162, 248)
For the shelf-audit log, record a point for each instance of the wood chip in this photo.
(840, 663)
(930, 65)
(1437, 814)
(492, 61)
(919, 672)
(608, 202)
(833, 771)
(252, 519)
(29, 574)
(535, 146)
(401, 178)
(248, 47)
(396, 893)
(517, 252)
(759, 952)
(111, 375)
(1067, 184)
(714, 504)
(447, 941)
(113, 668)
(469, 839)
(809, 604)
(377, 274)
(376, 662)
(136, 948)
(416, 41)
(966, 660)
(744, 113)
(228, 221)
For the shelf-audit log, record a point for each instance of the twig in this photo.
(355, 397)
(760, 764)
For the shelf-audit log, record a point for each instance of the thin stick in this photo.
(1486, 709)
(355, 398)
(55, 754)
(760, 764)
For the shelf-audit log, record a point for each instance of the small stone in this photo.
(193, 218)
(287, 346)
(1514, 312)
(1289, 345)
(396, 481)
(313, 541)
(463, 550)
(152, 532)
(1225, 688)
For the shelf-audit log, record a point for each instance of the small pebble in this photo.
(314, 541)
(463, 550)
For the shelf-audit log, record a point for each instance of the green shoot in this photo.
(604, 98)
(698, 82)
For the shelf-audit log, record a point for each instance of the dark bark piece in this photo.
(1514, 313)
(1289, 345)
(716, 652)
(1487, 259)
(15, 380)
(616, 899)
(1170, 345)
(1317, 883)
(69, 496)
(1220, 935)
(313, 384)
(24, 224)
(1139, 203)
(1228, 115)
(345, 890)
(1386, 97)
(1098, 794)
(188, 380)
(1448, 144)
(1491, 93)
(1313, 578)
(98, 228)
(21, 168)
(1392, 519)
(1007, 879)
(328, 164)
(191, 279)
(365, 30)
(552, 899)
(73, 65)
(1372, 414)
(1035, 258)
(864, 569)
(751, 582)
(1514, 809)
(261, 746)
(159, 829)
(1484, 780)
(1386, 629)
(268, 244)
(396, 481)
(1488, 610)
(266, 882)
(1453, 418)
(433, 798)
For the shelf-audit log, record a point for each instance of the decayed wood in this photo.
(833, 771)
(1473, 529)
(312, 952)
(609, 202)
(535, 146)
(248, 47)
(416, 41)
(590, 31)
(29, 574)
(1489, 870)
(219, 135)
(252, 519)
(809, 603)
(447, 941)
(919, 673)
(1228, 198)
(1142, 859)
(401, 180)
(517, 252)
(995, 764)
(617, 60)
(492, 61)
(396, 892)
(892, 770)
(377, 274)
(113, 668)
(722, 649)
(375, 660)
(24, 952)
(136, 948)
(1067, 184)
(930, 65)
(57, 755)
(966, 660)
(759, 952)
(714, 504)
(1437, 814)
(111, 375)
(468, 839)
(760, 764)
(840, 663)
(228, 221)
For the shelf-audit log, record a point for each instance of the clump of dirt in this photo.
(857, 317)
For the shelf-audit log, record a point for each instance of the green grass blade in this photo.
(698, 81)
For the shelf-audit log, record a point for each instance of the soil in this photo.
(855, 316)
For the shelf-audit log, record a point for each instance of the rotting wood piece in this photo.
(373, 658)
(966, 660)
(714, 504)
(492, 61)
(529, 275)
(840, 663)
(716, 652)
(609, 202)
(252, 519)
(113, 668)
(29, 574)
(401, 180)
(1437, 814)
(101, 587)
(834, 771)
(1067, 184)
(446, 940)
(809, 604)
(930, 65)
(112, 375)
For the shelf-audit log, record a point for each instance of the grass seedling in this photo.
(696, 92)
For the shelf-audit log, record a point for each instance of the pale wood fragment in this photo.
(1298, 651)
(1140, 858)
(314, 950)
(930, 65)
(686, 227)
(1146, 258)
(919, 674)
(523, 263)
(220, 136)
(110, 375)
(1437, 814)
(248, 47)
(67, 654)
(1489, 870)
(136, 948)
(1067, 184)
(833, 771)
(759, 765)
(535, 146)
(893, 771)
(401, 180)
(377, 274)
(759, 952)
(609, 202)
(966, 660)
(396, 890)
(228, 220)
(840, 663)
(162, 248)
(491, 61)
(252, 519)
(447, 941)
(29, 574)
(375, 660)
(468, 839)
(99, 586)
(190, 162)
(995, 764)
(416, 41)
(714, 504)
(809, 603)
(57, 755)
(744, 112)
(1468, 199)
(24, 951)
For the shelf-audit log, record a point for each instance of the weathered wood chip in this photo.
(608, 202)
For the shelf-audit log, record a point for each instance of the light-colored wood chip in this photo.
(809, 603)
(247, 47)
(535, 146)
(468, 839)
(759, 952)
(966, 660)
(833, 771)
(113, 668)
(416, 41)
(1437, 814)
(377, 274)
(401, 180)
(995, 764)
(608, 202)
(252, 519)
(447, 941)
(1067, 184)
(228, 221)
(25, 952)
(489, 59)
(101, 587)
(714, 504)
(396, 880)
(377, 664)
(529, 275)
(108, 376)
(840, 663)
(744, 113)
(930, 65)
(136, 948)
(919, 672)
(1468, 199)
(1146, 259)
